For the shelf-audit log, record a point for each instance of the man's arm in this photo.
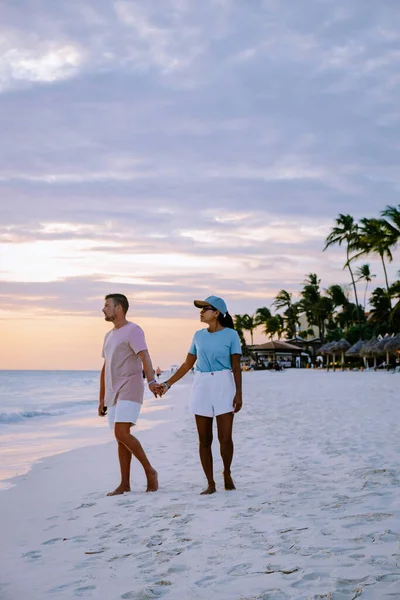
(148, 371)
(237, 375)
(102, 390)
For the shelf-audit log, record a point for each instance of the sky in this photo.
(171, 150)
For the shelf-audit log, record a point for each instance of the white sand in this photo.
(315, 516)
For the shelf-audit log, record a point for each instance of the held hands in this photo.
(155, 388)
(158, 389)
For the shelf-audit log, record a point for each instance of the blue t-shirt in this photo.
(213, 350)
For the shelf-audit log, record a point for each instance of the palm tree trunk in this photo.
(355, 293)
(365, 296)
(387, 282)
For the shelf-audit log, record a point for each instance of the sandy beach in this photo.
(315, 514)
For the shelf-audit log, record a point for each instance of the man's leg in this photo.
(204, 429)
(124, 436)
(125, 457)
(225, 424)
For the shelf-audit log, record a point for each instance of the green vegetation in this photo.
(335, 313)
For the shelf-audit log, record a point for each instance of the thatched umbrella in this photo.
(325, 351)
(393, 344)
(332, 348)
(340, 347)
(370, 349)
(355, 349)
(383, 347)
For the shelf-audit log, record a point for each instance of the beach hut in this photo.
(370, 349)
(394, 348)
(341, 348)
(393, 345)
(312, 345)
(276, 351)
(355, 348)
(383, 348)
(325, 350)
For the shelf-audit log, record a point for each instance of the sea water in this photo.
(43, 413)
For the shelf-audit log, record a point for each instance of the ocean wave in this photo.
(19, 416)
(74, 404)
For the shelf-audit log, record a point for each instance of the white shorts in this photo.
(124, 411)
(212, 393)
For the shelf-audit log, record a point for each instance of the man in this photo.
(121, 387)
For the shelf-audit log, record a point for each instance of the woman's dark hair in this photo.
(226, 321)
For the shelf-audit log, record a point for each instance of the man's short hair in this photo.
(119, 299)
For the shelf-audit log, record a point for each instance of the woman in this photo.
(217, 387)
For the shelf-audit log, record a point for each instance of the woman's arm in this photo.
(183, 369)
(237, 375)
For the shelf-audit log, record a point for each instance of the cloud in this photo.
(203, 140)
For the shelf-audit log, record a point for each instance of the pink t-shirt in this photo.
(124, 379)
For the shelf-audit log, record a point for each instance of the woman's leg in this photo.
(225, 424)
(204, 429)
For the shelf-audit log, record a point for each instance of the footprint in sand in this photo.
(177, 569)
(146, 594)
(63, 587)
(32, 555)
(82, 591)
(238, 570)
(155, 540)
(272, 595)
(389, 577)
(78, 538)
(205, 581)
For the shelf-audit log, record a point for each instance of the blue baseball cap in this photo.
(215, 301)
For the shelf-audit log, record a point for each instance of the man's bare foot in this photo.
(120, 490)
(210, 489)
(229, 485)
(152, 481)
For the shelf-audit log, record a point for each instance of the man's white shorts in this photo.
(124, 411)
(212, 393)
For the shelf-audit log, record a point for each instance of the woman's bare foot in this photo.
(120, 490)
(229, 485)
(152, 481)
(210, 489)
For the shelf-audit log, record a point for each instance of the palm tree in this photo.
(381, 311)
(376, 238)
(337, 295)
(262, 314)
(318, 308)
(393, 224)
(346, 231)
(249, 324)
(237, 320)
(395, 314)
(274, 326)
(364, 273)
(284, 300)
